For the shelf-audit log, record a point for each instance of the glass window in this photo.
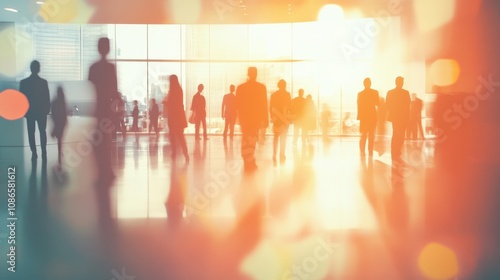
(196, 42)
(229, 42)
(270, 41)
(164, 41)
(131, 41)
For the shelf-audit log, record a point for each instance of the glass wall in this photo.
(328, 62)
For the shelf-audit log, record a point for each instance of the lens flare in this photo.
(17, 51)
(438, 262)
(444, 72)
(431, 14)
(13, 104)
(331, 13)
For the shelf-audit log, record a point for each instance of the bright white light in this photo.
(11, 10)
(40, 2)
(331, 13)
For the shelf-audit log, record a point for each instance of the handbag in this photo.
(191, 118)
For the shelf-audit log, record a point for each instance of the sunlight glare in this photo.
(13, 104)
(331, 13)
(431, 14)
(444, 72)
(438, 262)
(18, 42)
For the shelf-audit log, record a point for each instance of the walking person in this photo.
(297, 108)
(251, 106)
(154, 113)
(229, 112)
(309, 119)
(36, 90)
(415, 124)
(398, 108)
(59, 118)
(368, 100)
(135, 117)
(176, 117)
(198, 106)
(279, 109)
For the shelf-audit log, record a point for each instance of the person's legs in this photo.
(394, 154)
(420, 129)
(30, 123)
(226, 126)
(59, 151)
(283, 135)
(182, 142)
(275, 141)
(362, 142)
(42, 126)
(204, 123)
(232, 122)
(197, 129)
(173, 142)
(397, 140)
(371, 139)
(249, 140)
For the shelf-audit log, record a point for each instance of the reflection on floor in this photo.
(324, 213)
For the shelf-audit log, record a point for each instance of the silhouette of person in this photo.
(120, 115)
(135, 117)
(309, 118)
(164, 114)
(198, 106)
(154, 113)
(229, 112)
(298, 104)
(103, 75)
(368, 100)
(279, 109)
(176, 117)
(415, 124)
(326, 115)
(251, 106)
(381, 125)
(398, 109)
(60, 119)
(36, 90)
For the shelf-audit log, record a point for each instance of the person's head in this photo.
(103, 46)
(281, 84)
(153, 101)
(231, 88)
(200, 88)
(399, 82)
(60, 93)
(252, 73)
(413, 96)
(35, 67)
(301, 92)
(135, 102)
(367, 83)
(309, 97)
(174, 81)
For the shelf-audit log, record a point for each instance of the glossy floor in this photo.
(323, 213)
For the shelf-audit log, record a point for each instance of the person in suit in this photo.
(279, 109)
(176, 117)
(251, 107)
(198, 106)
(298, 105)
(135, 117)
(415, 125)
(102, 74)
(368, 100)
(229, 112)
(36, 90)
(154, 113)
(398, 109)
(60, 119)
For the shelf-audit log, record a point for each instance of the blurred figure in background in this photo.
(120, 115)
(198, 106)
(325, 124)
(60, 119)
(415, 124)
(279, 109)
(368, 100)
(309, 119)
(154, 113)
(229, 112)
(298, 104)
(398, 108)
(176, 118)
(251, 105)
(135, 117)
